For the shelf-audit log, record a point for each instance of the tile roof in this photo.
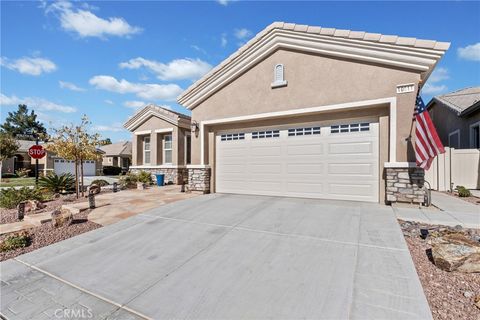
(116, 149)
(460, 100)
(340, 34)
(152, 109)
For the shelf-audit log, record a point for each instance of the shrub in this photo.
(463, 192)
(9, 175)
(23, 172)
(11, 197)
(15, 241)
(100, 182)
(145, 177)
(111, 170)
(129, 180)
(57, 183)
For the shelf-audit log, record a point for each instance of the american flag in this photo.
(427, 142)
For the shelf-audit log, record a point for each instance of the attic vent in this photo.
(278, 76)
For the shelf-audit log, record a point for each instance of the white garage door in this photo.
(65, 166)
(338, 161)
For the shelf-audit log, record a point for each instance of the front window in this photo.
(146, 150)
(475, 136)
(167, 149)
(188, 147)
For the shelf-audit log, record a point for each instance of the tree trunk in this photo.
(81, 173)
(76, 178)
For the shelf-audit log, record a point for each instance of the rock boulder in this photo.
(33, 205)
(61, 218)
(456, 252)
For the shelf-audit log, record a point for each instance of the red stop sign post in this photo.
(36, 152)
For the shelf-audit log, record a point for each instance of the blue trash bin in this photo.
(160, 179)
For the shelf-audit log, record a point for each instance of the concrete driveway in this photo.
(225, 257)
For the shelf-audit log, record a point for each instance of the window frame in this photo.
(164, 149)
(471, 130)
(187, 151)
(458, 138)
(145, 150)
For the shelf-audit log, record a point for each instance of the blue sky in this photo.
(105, 59)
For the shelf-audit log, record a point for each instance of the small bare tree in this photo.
(75, 143)
(8, 147)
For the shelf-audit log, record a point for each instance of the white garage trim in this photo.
(391, 101)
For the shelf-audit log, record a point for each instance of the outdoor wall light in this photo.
(194, 127)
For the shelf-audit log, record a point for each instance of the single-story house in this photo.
(49, 163)
(304, 111)
(161, 142)
(117, 154)
(456, 116)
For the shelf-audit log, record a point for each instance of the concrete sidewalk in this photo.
(449, 203)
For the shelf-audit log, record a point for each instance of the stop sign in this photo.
(36, 152)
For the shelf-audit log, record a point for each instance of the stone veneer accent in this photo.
(405, 185)
(199, 179)
(172, 175)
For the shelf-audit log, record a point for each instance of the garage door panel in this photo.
(305, 149)
(354, 148)
(364, 190)
(298, 188)
(305, 168)
(325, 165)
(362, 169)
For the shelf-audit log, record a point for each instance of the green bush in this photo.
(15, 241)
(11, 197)
(463, 192)
(100, 182)
(9, 175)
(129, 180)
(57, 183)
(111, 170)
(145, 177)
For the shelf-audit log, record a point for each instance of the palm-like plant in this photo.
(57, 183)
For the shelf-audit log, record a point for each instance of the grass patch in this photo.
(17, 182)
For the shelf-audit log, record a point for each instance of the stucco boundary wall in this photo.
(405, 184)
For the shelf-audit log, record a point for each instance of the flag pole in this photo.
(409, 138)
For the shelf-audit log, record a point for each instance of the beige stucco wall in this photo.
(446, 121)
(157, 141)
(312, 81)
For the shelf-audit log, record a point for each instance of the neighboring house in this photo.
(117, 154)
(161, 142)
(49, 163)
(306, 111)
(456, 116)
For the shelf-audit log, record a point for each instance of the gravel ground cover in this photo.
(47, 234)
(471, 199)
(10, 215)
(451, 295)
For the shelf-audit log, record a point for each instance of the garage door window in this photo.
(352, 127)
(303, 131)
(233, 136)
(266, 134)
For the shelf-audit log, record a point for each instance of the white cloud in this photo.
(471, 52)
(223, 40)
(148, 91)
(242, 33)
(175, 70)
(108, 101)
(86, 24)
(35, 103)
(115, 127)
(197, 48)
(225, 2)
(134, 104)
(433, 89)
(438, 75)
(70, 86)
(29, 65)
